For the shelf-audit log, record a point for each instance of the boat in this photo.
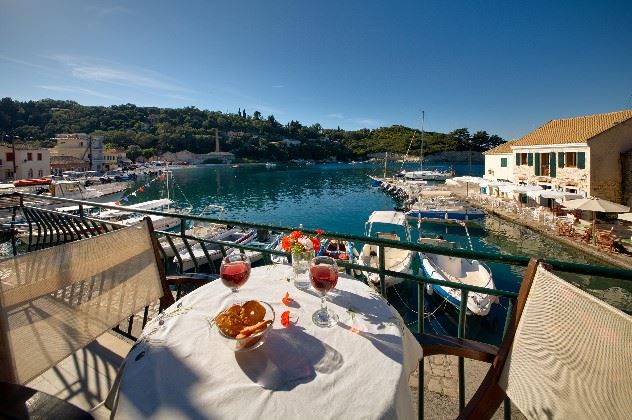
(235, 235)
(270, 165)
(457, 270)
(198, 229)
(444, 210)
(338, 250)
(425, 174)
(399, 260)
(265, 240)
(127, 216)
(74, 189)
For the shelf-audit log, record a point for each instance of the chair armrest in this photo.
(185, 280)
(462, 347)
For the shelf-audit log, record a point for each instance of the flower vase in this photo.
(300, 267)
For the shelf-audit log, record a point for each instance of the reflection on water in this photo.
(338, 198)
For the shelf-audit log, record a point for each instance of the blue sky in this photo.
(502, 66)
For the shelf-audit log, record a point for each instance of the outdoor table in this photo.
(356, 369)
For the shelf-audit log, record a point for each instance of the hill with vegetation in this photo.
(151, 131)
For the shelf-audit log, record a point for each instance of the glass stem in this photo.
(323, 303)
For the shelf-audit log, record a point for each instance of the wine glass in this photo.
(323, 274)
(235, 271)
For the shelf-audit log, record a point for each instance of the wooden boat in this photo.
(395, 259)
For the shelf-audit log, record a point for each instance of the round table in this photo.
(359, 368)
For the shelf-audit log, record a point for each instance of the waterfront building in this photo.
(114, 158)
(81, 146)
(23, 162)
(499, 162)
(61, 164)
(585, 155)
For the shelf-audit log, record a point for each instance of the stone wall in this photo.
(626, 166)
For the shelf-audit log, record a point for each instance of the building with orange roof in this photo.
(499, 163)
(587, 154)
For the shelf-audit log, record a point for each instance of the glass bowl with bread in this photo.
(244, 326)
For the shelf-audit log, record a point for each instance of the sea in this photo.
(338, 197)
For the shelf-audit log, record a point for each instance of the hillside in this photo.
(151, 130)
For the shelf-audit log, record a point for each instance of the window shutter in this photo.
(581, 160)
(552, 165)
(560, 159)
(537, 164)
(503, 162)
(530, 159)
(517, 159)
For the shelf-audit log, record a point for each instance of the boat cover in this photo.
(390, 217)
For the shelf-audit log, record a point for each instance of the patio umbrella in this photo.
(626, 217)
(595, 205)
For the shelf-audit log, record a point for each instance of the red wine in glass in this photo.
(235, 271)
(323, 274)
(323, 277)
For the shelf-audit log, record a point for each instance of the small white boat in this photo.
(270, 165)
(458, 270)
(126, 215)
(264, 240)
(399, 260)
(444, 210)
(98, 193)
(235, 235)
(427, 175)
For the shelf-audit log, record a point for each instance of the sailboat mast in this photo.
(421, 153)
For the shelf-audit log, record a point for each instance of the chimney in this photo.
(216, 140)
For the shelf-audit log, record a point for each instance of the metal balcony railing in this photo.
(48, 227)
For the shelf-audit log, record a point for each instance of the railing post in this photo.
(382, 268)
(507, 401)
(421, 310)
(14, 231)
(461, 334)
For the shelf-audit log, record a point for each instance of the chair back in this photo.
(571, 355)
(57, 300)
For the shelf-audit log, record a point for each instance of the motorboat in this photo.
(427, 175)
(199, 229)
(74, 189)
(386, 225)
(127, 216)
(265, 240)
(457, 270)
(444, 210)
(212, 252)
(338, 250)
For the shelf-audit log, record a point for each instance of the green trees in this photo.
(145, 130)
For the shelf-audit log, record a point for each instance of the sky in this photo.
(506, 67)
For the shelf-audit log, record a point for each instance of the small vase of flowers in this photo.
(303, 248)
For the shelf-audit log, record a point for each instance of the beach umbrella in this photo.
(595, 205)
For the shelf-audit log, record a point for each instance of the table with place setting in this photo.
(358, 367)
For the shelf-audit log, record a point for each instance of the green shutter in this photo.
(581, 160)
(517, 159)
(560, 159)
(503, 162)
(537, 164)
(552, 165)
(530, 159)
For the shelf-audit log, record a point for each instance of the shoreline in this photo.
(618, 260)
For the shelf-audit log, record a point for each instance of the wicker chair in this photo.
(566, 354)
(58, 304)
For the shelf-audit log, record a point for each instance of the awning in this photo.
(513, 188)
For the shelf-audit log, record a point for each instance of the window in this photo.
(40, 173)
(503, 162)
(30, 173)
(570, 159)
(39, 156)
(9, 157)
(29, 156)
(544, 164)
(523, 158)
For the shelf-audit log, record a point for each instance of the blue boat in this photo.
(445, 212)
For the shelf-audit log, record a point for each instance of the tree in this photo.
(256, 115)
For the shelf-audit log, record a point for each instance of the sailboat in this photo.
(421, 174)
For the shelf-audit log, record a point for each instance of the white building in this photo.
(499, 163)
(27, 163)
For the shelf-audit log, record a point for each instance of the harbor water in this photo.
(339, 198)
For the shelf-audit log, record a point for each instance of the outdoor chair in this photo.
(58, 304)
(566, 354)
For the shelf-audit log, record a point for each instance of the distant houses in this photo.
(590, 154)
(23, 161)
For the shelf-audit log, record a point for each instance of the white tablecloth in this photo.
(356, 369)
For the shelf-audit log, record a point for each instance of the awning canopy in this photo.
(470, 179)
(435, 193)
(513, 188)
(596, 204)
(553, 194)
(626, 216)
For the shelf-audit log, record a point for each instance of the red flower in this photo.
(296, 234)
(285, 318)
(316, 243)
(286, 243)
(320, 232)
(286, 299)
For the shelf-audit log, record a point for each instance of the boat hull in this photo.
(463, 215)
(477, 303)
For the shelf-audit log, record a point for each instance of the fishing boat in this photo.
(173, 245)
(212, 252)
(127, 216)
(386, 225)
(457, 270)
